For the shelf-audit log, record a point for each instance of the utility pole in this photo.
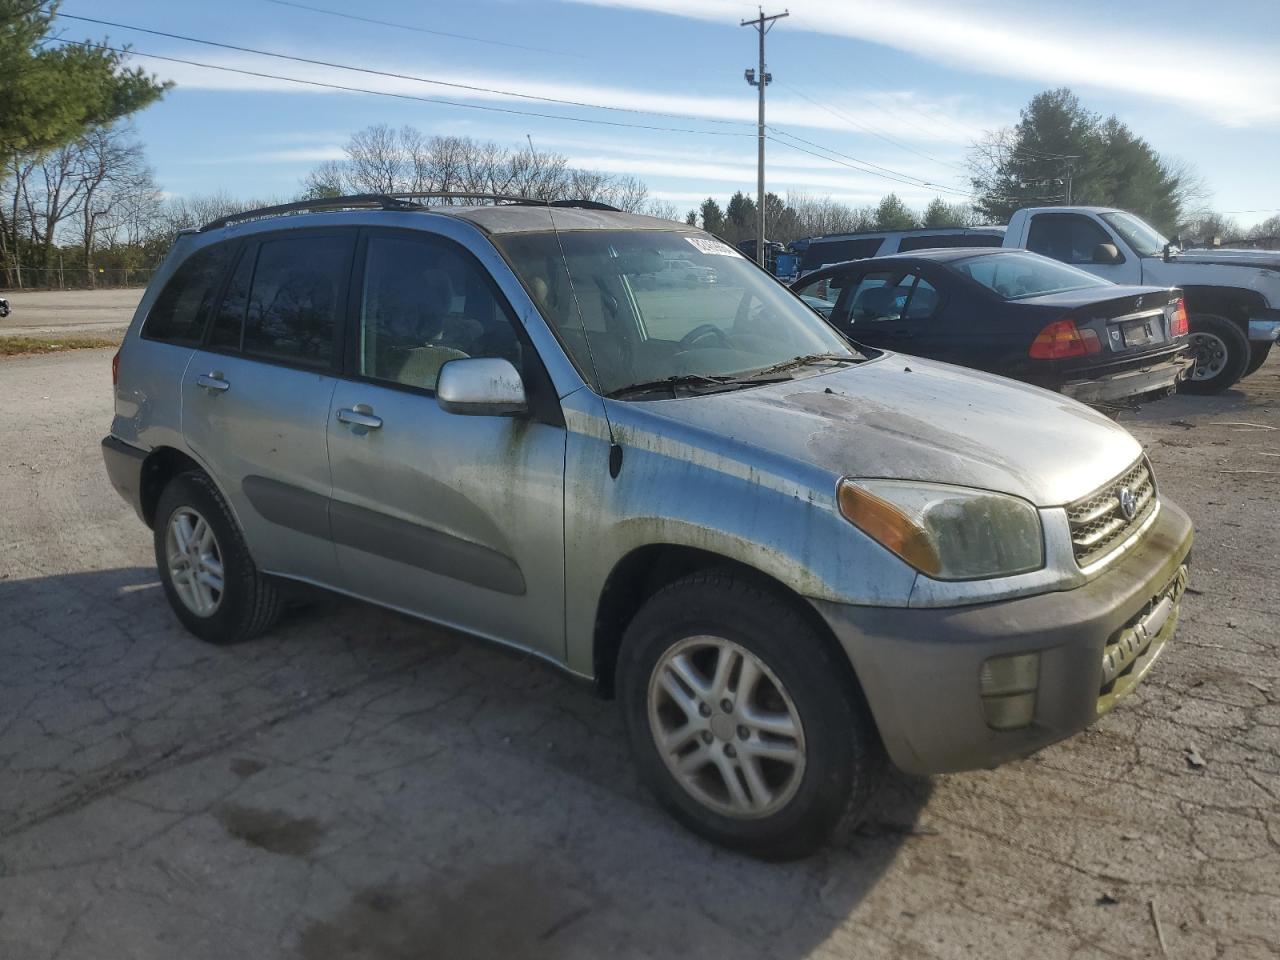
(763, 25)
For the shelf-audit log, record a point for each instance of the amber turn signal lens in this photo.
(888, 526)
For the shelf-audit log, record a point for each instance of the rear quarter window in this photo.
(180, 311)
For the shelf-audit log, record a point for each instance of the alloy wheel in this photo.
(726, 728)
(195, 561)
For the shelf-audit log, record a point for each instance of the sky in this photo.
(885, 90)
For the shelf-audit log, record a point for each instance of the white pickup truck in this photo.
(1232, 296)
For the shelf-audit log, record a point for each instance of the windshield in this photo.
(1145, 239)
(652, 305)
(1016, 276)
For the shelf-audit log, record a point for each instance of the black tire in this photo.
(249, 602)
(1258, 352)
(1224, 345)
(843, 755)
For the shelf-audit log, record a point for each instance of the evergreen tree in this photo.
(893, 214)
(712, 216)
(1057, 144)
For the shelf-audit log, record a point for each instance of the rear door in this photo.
(256, 394)
(457, 518)
(876, 307)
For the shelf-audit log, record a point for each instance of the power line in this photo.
(866, 165)
(399, 76)
(910, 183)
(871, 130)
(401, 96)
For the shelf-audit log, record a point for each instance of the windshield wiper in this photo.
(670, 384)
(804, 361)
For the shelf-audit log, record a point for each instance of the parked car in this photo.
(1232, 296)
(1016, 314)
(4, 308)
(786, 556)
(687, 272)
(818, 252)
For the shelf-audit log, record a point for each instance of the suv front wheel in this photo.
(743, 722)
(208, 575)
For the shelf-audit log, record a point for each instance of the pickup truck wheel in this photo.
(1221, 352)
(742, 720)
(208, 575)
(1258, 352)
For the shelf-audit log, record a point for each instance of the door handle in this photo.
(361, 415)
(213, 382)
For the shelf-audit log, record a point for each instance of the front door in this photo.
(457, 518)
(1074, 238)
(256, 395)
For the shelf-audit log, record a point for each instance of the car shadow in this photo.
(473, 797)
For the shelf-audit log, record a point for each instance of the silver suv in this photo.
(787, 555)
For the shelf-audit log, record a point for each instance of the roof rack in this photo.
(393, 201)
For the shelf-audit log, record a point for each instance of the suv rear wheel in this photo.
(1221, 352)
(741, 719)
(208, 575)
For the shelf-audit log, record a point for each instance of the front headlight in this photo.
(949, 533)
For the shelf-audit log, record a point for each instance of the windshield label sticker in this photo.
(715, 248)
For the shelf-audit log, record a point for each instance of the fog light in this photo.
(1008, 687)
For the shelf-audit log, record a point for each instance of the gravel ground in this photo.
(358, 785)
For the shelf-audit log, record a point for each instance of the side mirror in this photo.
(481, 387)
(1106, 253)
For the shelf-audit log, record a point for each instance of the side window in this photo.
(823, 252)
(880, 296)
(823, 295)
(423, 303)
(1067, 237)
(932, 242)
(227, 328)
(924, 301)
(296, 298)
(180, 312)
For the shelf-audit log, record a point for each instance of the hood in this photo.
(1261, 259)
(907, 418)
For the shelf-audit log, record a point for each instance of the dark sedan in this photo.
(1013, 313)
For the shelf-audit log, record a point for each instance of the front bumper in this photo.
(1265, 325)
(1160, 377)
(920, 668)
(124, 469)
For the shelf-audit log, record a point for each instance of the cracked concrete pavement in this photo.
(359, 785)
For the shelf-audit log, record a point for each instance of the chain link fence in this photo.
(67, 277)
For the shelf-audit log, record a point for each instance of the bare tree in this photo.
(113, 170)
(382, 160)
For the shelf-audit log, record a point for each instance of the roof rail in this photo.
(392, 201)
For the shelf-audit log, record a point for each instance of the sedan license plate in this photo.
(1137, 334)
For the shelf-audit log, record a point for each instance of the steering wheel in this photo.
(702, 332)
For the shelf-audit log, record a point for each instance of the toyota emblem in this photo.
(1128, 503)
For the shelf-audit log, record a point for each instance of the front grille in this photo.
(1098, 524)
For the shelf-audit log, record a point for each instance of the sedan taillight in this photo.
(1178, 325)
(115, 369)
(1063, 339)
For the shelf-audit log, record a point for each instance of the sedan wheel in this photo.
(195, 562)
(726, 727)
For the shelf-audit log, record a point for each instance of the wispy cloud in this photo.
(1237, 85)
(859, 110)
